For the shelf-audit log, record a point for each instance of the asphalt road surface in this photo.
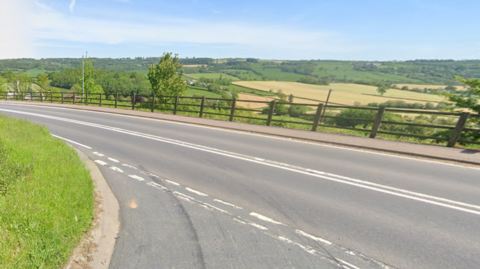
(198, 197)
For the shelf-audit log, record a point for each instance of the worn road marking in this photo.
(137, 177)
(116, 169)
(267, 219)
(114, 160)
(101, 162)
(318, 239)
(225, 203)
(196, 192)
(98, 154)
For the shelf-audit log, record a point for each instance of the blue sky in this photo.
(301, 29)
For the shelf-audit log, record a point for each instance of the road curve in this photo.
(197, 197)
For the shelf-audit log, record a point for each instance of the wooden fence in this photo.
(317, 117)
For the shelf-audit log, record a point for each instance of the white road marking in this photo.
(113, 160)
(172, 182)
(71, 141)
(318, 239)
(129, 166)
(98, 154)
(196, 192)
(156, 185)
(218, 209)
(101, 162)
(225, 203)
(306, 248)
(253, 224)
(137, 177)
(359, 183)
(267, 219)
(116, 169)
(179, 194)
(348, 264)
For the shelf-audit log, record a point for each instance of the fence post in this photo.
(317, 117)
(202, 106)
(133, 101)
(153, 103)
(232, 111)
(270, 113)
(116, 98)
(176, 105)
(31, 96)
(458, 129)
(51, 97)
(41, 97)
(62, 97)
(73, 98)
(377, 122)
(100, 101)
(86, 98)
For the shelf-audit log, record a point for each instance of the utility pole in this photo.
(83, 77)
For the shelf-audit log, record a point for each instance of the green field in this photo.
(35, 71)
(197, 91)
(211, 76)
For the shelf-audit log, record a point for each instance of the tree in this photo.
(470, 98)
(44, 83)
(21, 83)
(290, 98)
(166, 77)
(382, 90)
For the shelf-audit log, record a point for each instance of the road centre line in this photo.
(446, 203)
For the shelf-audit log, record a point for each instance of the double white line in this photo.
(420, 197)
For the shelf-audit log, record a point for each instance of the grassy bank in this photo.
(46, 197)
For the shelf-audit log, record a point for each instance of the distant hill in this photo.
(322, 72)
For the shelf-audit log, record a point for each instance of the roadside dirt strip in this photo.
(96, 247)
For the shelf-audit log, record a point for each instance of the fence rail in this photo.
(374, 122)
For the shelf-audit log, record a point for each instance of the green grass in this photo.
(47, 200)
(211, 76)
(35, 71)
(200, 92)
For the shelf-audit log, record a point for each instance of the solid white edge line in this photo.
(71, 141)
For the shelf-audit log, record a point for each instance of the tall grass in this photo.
(47, 200)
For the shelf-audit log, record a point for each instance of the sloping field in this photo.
(344, 93)
(211, 76)
(242, 96)
(430, 86)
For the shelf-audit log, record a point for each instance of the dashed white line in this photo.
(156, 185)
(218, 209)
(116, 169)
(98, 154)
(306, 248)
(179, 194)
(137, 177)
(225, 203)
(196, 192)
(267, 219)
(318, 239)
(172, 182)
(71, 141)
(348, 264)
(101, 162)
(114, 160)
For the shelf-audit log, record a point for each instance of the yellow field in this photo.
(344, 93)
(243, 96)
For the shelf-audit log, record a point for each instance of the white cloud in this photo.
(72, 5)
(15, 29)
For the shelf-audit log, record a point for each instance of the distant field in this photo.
(422, 86)
(343, 93)
(211, 76)
(34, 72)
(192, 91)
(243, 96)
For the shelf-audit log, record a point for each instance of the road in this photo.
(198, 197)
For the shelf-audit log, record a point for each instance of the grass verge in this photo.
(47, 199)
